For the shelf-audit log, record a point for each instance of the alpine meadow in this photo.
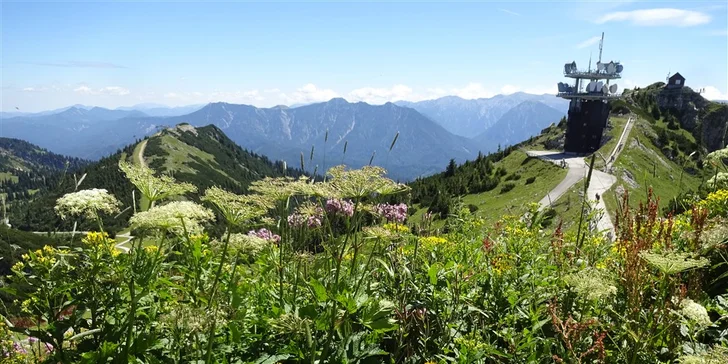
(364, 183)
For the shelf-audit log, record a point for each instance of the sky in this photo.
(265, 54)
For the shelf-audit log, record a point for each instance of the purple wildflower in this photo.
(342, 207)
(312, 221)
(265, 234)
(49, 347)
(393, 213)
(33, 339)
(19, 349)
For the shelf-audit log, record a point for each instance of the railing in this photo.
(593, 75)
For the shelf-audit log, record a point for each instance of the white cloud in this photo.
(84, 90)
(712, 93)
(589, 42)
(658, 17)
(309, 93)
(271, 90)
(472, 91)
(109, 90)
(114, 90)
(373, 95)
(509, 12)
(35, 89)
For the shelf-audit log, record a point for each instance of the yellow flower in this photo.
(18, 267)
(95, 238)
(396, 228)
(151, 249)
(432, 242)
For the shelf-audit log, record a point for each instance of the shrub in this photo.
(530, 180)
(513, 177)
(507, 187)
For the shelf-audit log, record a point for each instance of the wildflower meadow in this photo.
(336, 271)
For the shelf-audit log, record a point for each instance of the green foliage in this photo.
(507, 187)
(352, 287)
(530, 180)
(474, 176)
(227, 166)
(14, 243)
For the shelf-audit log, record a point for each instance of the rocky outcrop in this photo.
(706, 120)
(715, 127)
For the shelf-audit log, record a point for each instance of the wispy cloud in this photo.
(589, 42)
(35, 89)
(658, 17)
(77, 64)
(107, 91)
(374, 95)
(309, 93)
(509, 12)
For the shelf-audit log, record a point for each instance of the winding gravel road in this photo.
(578, 170)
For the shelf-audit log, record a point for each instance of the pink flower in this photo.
(338, 206)
(393, 213)
(265, 234)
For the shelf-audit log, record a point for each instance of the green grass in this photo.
(180, 153)
(492, 205)
(617, 127)
(7, 176)
(568, 208)
(648, 167)
(552, 133)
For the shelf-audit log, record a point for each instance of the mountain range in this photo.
(430, 132)
(469, 118)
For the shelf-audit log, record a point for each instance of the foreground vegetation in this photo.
(328, 272)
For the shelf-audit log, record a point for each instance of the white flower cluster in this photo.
(695, 312)
(154, 188)
(174, 216)
(243, 244)
(720, 180)
(591, 284)
(87, 203)
(716, 158)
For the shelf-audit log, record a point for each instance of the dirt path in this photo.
(620, 144)
(139, 156)
(578, 170)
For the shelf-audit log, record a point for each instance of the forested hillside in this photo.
(26, 169)
(202, 156)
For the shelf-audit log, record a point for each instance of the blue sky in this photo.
(120, 54)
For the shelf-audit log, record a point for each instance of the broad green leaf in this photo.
(318, 290)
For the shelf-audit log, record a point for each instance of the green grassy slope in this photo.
(493, 204)
(642, 166)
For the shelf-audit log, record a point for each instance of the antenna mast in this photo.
(590, 55)
(601, 43)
